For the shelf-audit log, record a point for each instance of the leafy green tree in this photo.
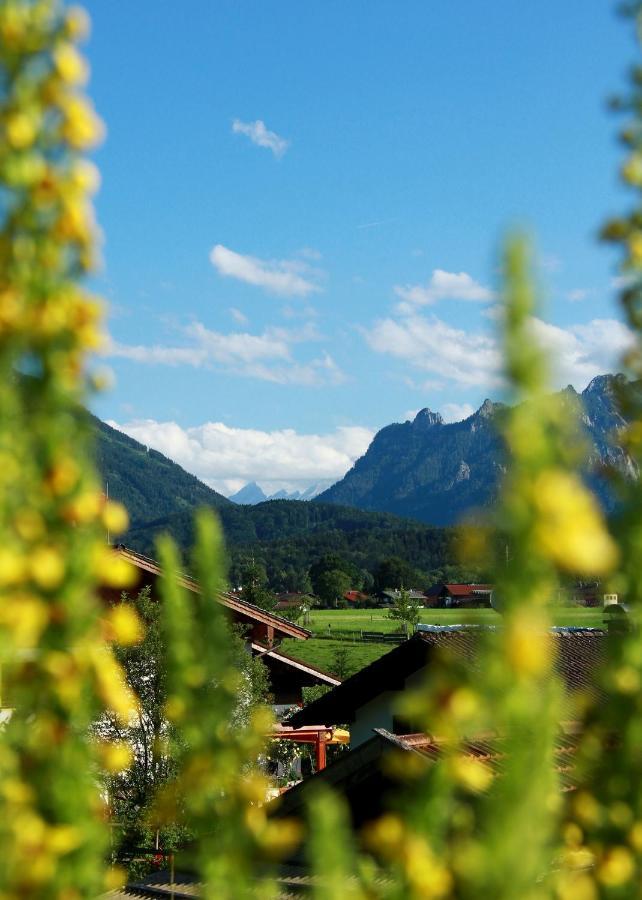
(331, 585)
(254, 584)
(406, 609)
(393, 572)
(131, 792)
(341, 664)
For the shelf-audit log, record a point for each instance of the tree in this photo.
(406, 609)
(331, 585)
(341, 665)
(131, 791)
(332, 562)
(393, 572)
(254, 585)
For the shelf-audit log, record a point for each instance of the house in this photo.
(367, 703)
(355, 597)
(293, 600)
(459, 595)
(264, 632)
(368, 698)
(390, 595)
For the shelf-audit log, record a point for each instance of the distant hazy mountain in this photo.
(252, 493)
(436, 472)
(249, 494)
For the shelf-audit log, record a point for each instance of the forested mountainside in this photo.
(287, 536)
(148, 483)
(292, 535)
(437, 472)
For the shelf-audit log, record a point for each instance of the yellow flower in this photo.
(116, 756)
(528, 645)
(12, 566)
(175, 708)
(21, 130)
(27, 616)
(617, 867)
(62, 839)
(115, 878)
(70, 65)
(385, 834)
(81, 126)
(112, 685)
(63, 475)
(84, 508)
(77, 23)
(125, 625)
(115, 518)
(278, 839)
(635, 248)
(472, 774)
(570, 529)
(29, 524)
(112, 570)
(47, 567)
(631, 171)
(84, 177)
(576, 887)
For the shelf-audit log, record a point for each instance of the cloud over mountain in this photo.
(227, 458)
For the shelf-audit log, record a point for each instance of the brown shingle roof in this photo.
(231, 601)
(578, 653)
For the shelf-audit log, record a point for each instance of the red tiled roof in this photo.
(465, 590)
(489, 750)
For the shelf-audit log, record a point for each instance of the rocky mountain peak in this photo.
(603, 384)
(487, 409)
(426, 418)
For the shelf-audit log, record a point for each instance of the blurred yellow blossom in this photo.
(569, 527)
(124, 625)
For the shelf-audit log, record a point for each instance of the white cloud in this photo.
(310, 253)
(577, 295)
(261, 136)
(444, 286)
(580, 352)
(550, 263)
(238, 316)
(473, 359)
(622, 282)
(157, 355)
(227, 458)
(431, 345)
(456, 412)
(267, 356)
(284, 277)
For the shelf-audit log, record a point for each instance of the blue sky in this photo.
(303, 205)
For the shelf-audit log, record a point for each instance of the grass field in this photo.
(325, 621)
(322, 652)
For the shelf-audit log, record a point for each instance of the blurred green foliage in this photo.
(460, 828)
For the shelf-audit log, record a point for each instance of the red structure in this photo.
(319, 735)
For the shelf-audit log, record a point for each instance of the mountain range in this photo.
(425, 470)
(286, 535)
(253, 493)
(436, 472)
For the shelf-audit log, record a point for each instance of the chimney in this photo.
(615, 615)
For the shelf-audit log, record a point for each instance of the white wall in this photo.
(380, 711)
